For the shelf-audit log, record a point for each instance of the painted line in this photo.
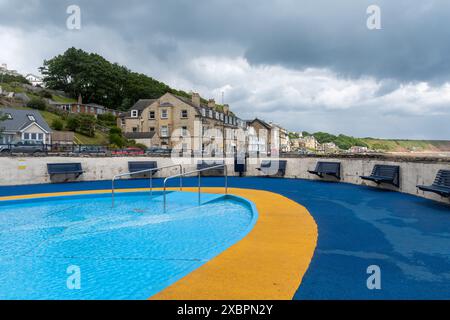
(268, 264)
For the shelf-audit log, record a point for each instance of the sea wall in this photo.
(413, 171)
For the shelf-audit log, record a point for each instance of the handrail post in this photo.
(112, 193)
(151, 185)
(226, 179)
(164, 195)
(199, 188)
(181, 177)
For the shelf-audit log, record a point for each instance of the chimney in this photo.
(226, 109)
(196, 99)
(80, 99)
(211, 103)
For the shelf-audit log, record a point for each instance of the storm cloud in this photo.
(308, 65)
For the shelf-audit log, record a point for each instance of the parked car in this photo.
(32, 147)
(91, 149)
(158, 150)
(129, 152)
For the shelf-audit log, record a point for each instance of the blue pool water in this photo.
(131, 251)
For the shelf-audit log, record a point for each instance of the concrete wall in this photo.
(33, 170)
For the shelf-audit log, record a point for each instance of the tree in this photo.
(57, 125)
(37, 103)
(98, 80)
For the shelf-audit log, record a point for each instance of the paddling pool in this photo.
(79, 247)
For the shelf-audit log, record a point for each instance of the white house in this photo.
(23, 125)
(34, 80)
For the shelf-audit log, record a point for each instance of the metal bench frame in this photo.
(327, 168)
(441, 184)
(378, 176)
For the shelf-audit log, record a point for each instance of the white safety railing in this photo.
(151, 178)
(199, 180)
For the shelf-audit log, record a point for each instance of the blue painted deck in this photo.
(406, 236)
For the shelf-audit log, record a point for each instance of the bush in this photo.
(45, 94)
(73, 123)
(57, 125)
(115, 130)
(116, 139)
(37, 103)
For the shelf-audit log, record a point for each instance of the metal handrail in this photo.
(199, 171)
(151, 178)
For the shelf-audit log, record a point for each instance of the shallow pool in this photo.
(131, 251)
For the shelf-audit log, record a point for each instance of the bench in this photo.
(208, 164)
(64, 169)
(136, 166)
(267, 165)
(441, 184)
(385, 174)
(327, 168)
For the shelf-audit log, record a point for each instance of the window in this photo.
(221, 117)
(217, 116)
(31, 117)
(135, 129)
(184, 113)
(33, 136)
(203, 112)
(151, 115)
(210, 113)
(134, 113)
(26, 136)
(164, 131)
(164, 114)
(152, 129)
(184, 131)
(40, 137)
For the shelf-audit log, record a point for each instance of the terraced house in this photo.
(181, 123)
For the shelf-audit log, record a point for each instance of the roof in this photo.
(263, 123)
(139, 135)
(20, 120)
(142, 104)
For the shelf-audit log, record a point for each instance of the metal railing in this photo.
(151, 178)
(199, 180)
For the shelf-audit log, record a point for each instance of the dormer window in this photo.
(134, 113)
(31, 117)
(164, 114)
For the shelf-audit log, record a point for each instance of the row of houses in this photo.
(83, 108)
(166, 121)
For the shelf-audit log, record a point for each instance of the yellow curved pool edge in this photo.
(268, 264)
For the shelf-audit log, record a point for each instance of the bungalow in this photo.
(23, 125)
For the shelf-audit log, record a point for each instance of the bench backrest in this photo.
(268, 163)
(386, 171)
(328, 167)
(442, 179)
(135, 166)
(55, 168)
(208, 164)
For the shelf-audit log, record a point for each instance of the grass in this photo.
(62, 99)
(99, 139)
(406, 145)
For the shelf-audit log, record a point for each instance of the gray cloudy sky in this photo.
(308, 65)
